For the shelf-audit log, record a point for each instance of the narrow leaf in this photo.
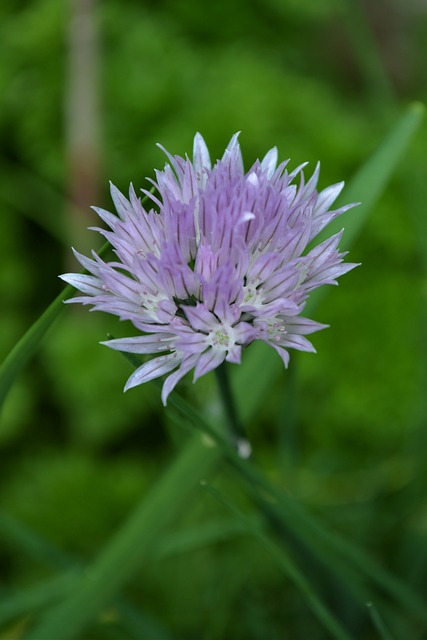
(28, 345)
(287, 565)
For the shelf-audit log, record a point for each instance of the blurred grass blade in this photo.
(38, 190)
(342, 556)
(378, 622)
(38, 549)
(203, 535)
(133, 544)
(289, 567)
(365, 49)
(26, 601)
(28, 345)
(366, 187)
(369, 183)
(30, 543)
(328, 546)
(140, 624)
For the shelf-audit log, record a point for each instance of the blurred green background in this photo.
(86, 90)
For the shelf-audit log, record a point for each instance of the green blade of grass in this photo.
(26, 601)
(30, 342)
(328, 546)
(203, 535)
(291, 570)
(370, 181)
(365, 49)
(17, 359)
(342, 555)
(378, 622)
(30, 543)
(125, 555)
(367, 186)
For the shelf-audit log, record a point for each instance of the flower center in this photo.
(222, 338)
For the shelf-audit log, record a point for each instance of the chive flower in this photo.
(218, 260)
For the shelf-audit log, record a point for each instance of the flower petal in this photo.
(153, 369)
(152, 343)
(269, 162)
(201, 159)
(171, 381)
(208, 361)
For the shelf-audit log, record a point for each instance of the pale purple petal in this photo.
(142, 344)
(172, 380)
(153, 369)
(207, 362)
(282, 353)
(84, 283)
(269, 162)
(200, 318)
(201, 159)
(234, 355)
(327, 197)
(298, 342)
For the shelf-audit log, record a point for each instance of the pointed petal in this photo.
(153, 369)
(282, 352)
(312, 183)
(298, 342)
(302, 326)
(153, 343)
(269, 162)
(200, 318)
(172, 380)
(106, 216)
(120, 202)
(234, 355)
(327, 197)
(208, 361)
(201, 158)
(84, 283)
(233, 143)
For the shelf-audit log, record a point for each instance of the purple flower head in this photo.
(218, 261)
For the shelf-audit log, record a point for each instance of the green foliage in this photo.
(330, 515)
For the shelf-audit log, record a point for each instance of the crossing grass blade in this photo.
(378, 622)
(288, 566)
(343, 557)
(29, 344)
(26, 601)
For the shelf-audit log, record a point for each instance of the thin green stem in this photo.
(235, 430)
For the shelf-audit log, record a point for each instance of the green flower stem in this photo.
(235, 430)
(124, 556)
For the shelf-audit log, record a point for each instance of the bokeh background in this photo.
(87, 89)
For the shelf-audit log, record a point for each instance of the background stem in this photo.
(235, 430)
